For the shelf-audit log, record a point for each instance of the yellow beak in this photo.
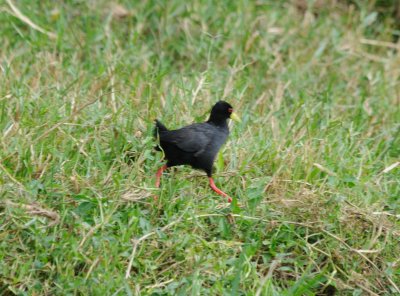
(235, 117)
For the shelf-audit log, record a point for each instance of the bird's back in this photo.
(196, 144)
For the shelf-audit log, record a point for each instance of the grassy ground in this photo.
(312, 167)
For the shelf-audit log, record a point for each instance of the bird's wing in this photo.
(193, 138)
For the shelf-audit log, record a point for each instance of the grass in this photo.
(312, 167)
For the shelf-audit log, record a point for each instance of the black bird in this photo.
(196, 144)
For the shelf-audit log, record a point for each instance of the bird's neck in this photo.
(218, 121)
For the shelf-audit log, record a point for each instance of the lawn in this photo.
(314, 166)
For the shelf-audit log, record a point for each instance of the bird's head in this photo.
(221, 111)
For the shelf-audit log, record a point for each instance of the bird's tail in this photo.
(159, 127)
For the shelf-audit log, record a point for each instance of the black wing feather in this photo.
(194, 138)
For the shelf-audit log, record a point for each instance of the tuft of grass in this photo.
(313, 167)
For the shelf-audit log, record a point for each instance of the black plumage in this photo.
(197, 144)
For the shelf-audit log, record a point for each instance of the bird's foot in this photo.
(158, 179)
(217, 190)
(159, 174)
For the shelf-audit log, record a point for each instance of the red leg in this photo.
(159, 174)
(217, 190)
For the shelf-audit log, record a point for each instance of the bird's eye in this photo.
(230, 110)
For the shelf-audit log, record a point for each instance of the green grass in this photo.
(314, 209)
